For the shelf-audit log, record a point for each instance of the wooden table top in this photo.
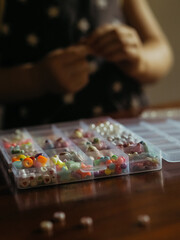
(113, 203)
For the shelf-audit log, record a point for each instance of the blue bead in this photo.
(18, 164)
(102, 159)
(112, 166)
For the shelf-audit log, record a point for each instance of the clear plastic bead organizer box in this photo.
(82, 150)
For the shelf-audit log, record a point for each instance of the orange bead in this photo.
(15, 159)
(83, 165)
(113, 160)
(108, 162)
(84, 174)
(27, 162)
(42, 160)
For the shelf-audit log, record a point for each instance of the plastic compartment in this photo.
(143, 156)
(71, 164)
(171, 146)
(49, 137)
(33, 169)
(29, 164)
(107, 159)
(111, 162)
(86, 139)
(106, 149)
(15, 142)
(35, 177)
(165, 134)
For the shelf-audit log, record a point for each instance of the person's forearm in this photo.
(157, 56)
(157, 59)
(21, 82)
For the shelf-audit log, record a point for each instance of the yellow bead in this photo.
(55, 159)
(60, 163)
(21, 156)
(107, 171)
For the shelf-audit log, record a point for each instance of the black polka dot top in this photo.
(32, 28)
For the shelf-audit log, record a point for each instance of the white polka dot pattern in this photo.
(117, 87)
(101, 4)
(68, 98)
(83, 25)
(53, 12)
(32, 40)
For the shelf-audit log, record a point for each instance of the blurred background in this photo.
(168, 89)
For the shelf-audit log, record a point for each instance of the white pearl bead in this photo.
(46, 226)
(143, 220)
(86, 221)
(60, 216)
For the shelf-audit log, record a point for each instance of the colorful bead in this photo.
(118, 170)
(14, 159)
(22, 172)
(7, 144)
(108, 162)
(16, 150)
(33, 183)
(112, 166)
(18, 164)
(54, 159)
(44, 169)
(73, 165)
(48, 144)
(53, 178)
(32, 176)
(27, 162)
(106, 158)
(123, 166)
(97, 162)
(60, 143)
(42, 160)
(46, 178)
(78, 133)
(37, 164)
(21, 157)
(107, 171)
(51, 171)
(39, 178)
(95, 140)
(103, 159)
(84, 174)
(64, 174)
(24, 181)
(60, 163)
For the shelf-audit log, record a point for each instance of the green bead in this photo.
(73, 165)
(96, 162)
(96, 140)
(114, 157)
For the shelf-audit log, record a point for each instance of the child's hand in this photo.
(120, 44)
(69, 68)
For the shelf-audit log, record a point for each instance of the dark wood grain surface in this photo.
(113, 203)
